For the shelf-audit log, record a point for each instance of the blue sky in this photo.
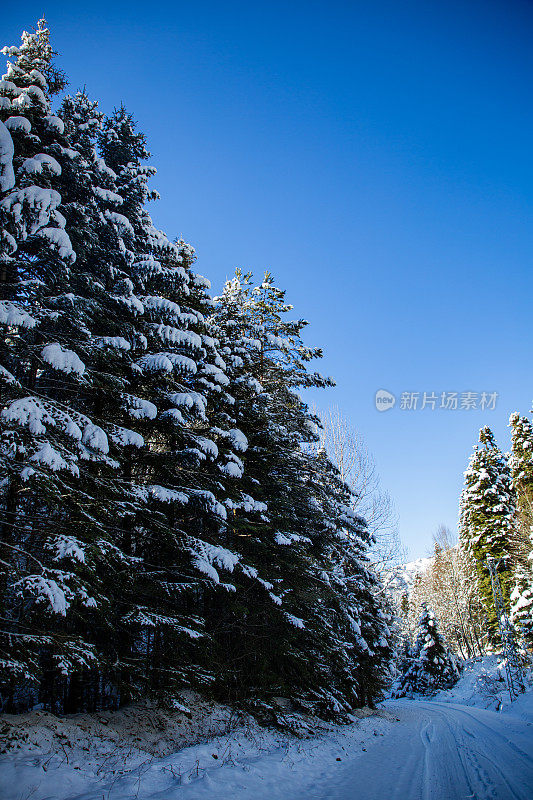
(376, 156)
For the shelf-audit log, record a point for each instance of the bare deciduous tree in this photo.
(348, 450)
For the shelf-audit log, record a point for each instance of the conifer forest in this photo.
(177, 518)
(164, 521)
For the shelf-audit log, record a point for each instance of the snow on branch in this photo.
(45, 591)
(7, 175)
(12, 315)
(62, 359)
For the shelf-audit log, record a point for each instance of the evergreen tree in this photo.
(176, 540)
(100, 478)
(404, 655)
(521, 464)
(403, 663)
(487, 519)
(46, 447)
(316, 633)
(521, 600)
(431, 665)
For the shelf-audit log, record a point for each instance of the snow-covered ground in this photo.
(482, 684)
(81, 759)
(450, 747)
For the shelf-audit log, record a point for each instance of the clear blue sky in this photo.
(376, 156)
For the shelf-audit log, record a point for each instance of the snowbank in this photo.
(482, 684)
(200, 750)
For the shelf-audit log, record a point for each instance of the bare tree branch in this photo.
(347, 449)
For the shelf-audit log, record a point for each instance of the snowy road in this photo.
(440, 751)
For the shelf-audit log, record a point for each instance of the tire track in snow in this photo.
(461, 710)
(500, 768)
(439, 752)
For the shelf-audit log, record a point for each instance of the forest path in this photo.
(440, 751)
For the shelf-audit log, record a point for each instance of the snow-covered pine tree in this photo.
(195, 448)
(313, 630)
(47, 445)
(487, 519)
(111, 314)
(79, 355)
(404, 654)
(521, 600)
(431, 665)
(403, 663)
(91, 312)
(521, 465)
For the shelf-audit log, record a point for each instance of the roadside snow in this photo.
(482, 685)
(200, 750)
